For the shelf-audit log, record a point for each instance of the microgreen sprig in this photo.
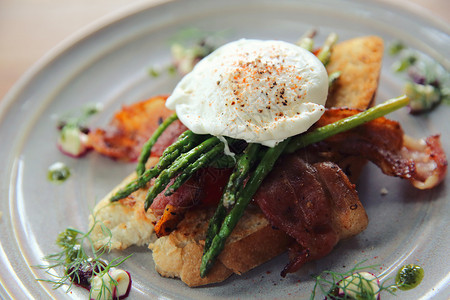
(426, 81)
(80, 120)
(75, 263)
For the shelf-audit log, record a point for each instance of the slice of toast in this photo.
(179, 254)
(253, 242)
(359, 61)
(124, 223)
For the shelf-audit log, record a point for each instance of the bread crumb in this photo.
(384, 191)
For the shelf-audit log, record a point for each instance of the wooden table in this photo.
(30, 28)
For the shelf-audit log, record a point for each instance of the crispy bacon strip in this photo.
(131, 127)
(429, 158)
(315, 204)
(382, 141)
(187, 196)
(204, 188)
(168, 221)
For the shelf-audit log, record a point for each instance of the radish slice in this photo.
(123, 278)
(115, 284)
(73, 142)
(360, 284)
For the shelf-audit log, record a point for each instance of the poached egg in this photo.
(259, 91)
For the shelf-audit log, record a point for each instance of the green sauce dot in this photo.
(58, 172)
(409, 276)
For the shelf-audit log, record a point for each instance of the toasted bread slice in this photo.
(252, 243)
(359, 61)
(122, 224)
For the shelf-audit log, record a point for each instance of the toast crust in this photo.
(252, 243)
(359, 61)
(126, 220)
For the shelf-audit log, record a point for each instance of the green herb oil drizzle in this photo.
(58, 172)
(409, 276)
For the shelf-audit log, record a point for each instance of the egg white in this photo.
(259, 91)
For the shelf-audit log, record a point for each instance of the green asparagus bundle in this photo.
(185, 142)
(181, 164)
(215, 246)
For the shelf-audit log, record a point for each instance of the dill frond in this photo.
(78, 261)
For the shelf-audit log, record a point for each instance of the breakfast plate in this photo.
(109, 64)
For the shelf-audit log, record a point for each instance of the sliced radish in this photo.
(116, 284)
(72, 141)
(360, 284)
(123, 278)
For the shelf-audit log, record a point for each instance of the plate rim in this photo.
(87, 31)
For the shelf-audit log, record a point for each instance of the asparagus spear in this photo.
(147, 148)
(178, 166)
(333, 77)
(136, 184)
(240, 172)
(325, 52)
(306, 43)
(345, 124)
(307, 40)
(203, 161)
(214, 225)
(245, 195)
(186, 141)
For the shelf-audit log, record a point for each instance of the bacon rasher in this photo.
(421, 161)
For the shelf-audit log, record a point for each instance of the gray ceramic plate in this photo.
(109, 64)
